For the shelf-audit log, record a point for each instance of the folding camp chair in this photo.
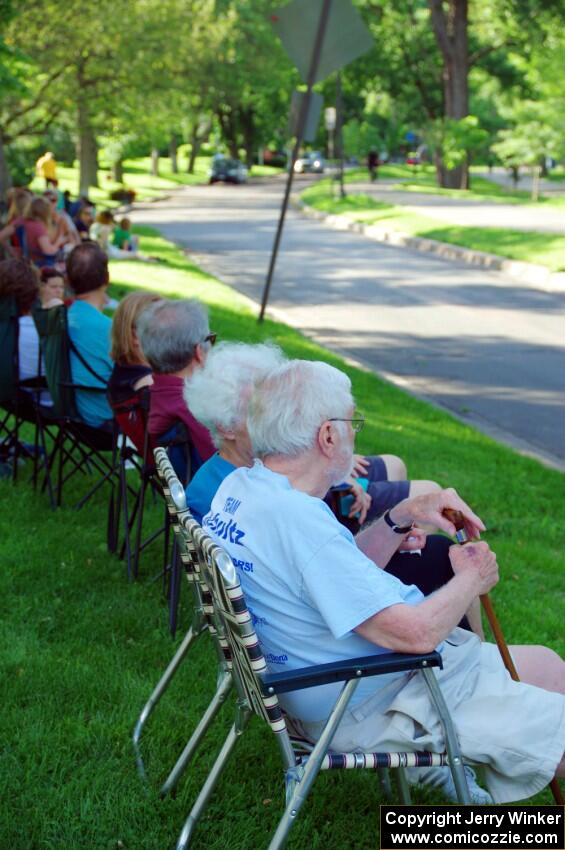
(20, 401)
(135, 450)
(79, 447)
(184, 461)
(257, 694)
(202, 622)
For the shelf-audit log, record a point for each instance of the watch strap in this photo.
(398, 529)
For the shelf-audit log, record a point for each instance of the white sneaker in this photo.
(441, 778)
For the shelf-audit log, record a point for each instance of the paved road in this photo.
(467, 212)
(490, 350)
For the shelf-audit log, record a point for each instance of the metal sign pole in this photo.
(339, 130)
(324, 15)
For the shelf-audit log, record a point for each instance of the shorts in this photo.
(516, 731)
(384, 494)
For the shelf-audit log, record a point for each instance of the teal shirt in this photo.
(89, 330)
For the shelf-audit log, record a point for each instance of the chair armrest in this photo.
(342, 671)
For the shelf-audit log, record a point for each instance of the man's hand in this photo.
(479, 559)
(361, 501)
(427, 510)
(360, 466)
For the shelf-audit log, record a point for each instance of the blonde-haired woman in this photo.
(35, 222)
(131, 371)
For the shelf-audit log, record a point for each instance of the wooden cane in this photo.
(456, 517)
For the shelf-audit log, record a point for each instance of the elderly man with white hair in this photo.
(218, 394)
(317, 596)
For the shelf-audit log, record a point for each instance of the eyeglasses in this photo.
(211, 338)
(357, 422)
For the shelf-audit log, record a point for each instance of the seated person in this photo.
(131, 370)
(18, 200)
(51, 287)
(84, 221)
(219, 396)
(35, 222)
(20, 279)
(123, 238)
(318, 595)
(60, 223)
(175, 339)
(102, 229)
(89, 332)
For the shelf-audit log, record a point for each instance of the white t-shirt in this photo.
(306, 583)
(28, 355)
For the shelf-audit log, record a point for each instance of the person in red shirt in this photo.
(42, 250)
(175, 339)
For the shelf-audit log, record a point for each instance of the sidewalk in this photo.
(528, 274)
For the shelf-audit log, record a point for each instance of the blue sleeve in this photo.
(347, 587)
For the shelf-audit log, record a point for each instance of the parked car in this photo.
(310, 163)
(228, 170)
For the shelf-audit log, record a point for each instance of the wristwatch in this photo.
(398, 529)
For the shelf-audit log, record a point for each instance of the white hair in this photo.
(288, 407)
(218, 394)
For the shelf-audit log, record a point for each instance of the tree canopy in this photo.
(457, 79)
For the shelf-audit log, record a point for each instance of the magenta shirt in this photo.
(168, 406)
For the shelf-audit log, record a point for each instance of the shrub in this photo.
(123, 194)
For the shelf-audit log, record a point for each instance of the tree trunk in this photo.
(173, 154)
(118, 171)
(195, 144)
(450, 28)
(154, 162)
(535, 182)
(5, 178)
(87, 150)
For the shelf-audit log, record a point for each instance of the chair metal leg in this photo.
(140, 505)
(451, 740)
(384, 776)
(158, 692)
(403, 787)
(312, 768)
(224, 687)
(207, 789)
(174, 589)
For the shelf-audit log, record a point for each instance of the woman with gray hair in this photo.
(175, 339)
(218, 395)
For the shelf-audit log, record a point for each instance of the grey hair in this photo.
(169, 332)
(289, 405)
(218, 394)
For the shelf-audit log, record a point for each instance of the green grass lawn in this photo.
(528, 246)
(81, 650)
(137, 176)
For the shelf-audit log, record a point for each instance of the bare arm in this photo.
(7, 232)
(379, 542)
(49, 247)
(421, 627)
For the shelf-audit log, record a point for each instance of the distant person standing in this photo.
(46, 166)
(373, 164)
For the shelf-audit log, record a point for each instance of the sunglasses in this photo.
(211, 338)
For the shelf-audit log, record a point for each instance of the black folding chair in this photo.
(20, 401)
(79, 447)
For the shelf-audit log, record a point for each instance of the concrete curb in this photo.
(530, 274)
